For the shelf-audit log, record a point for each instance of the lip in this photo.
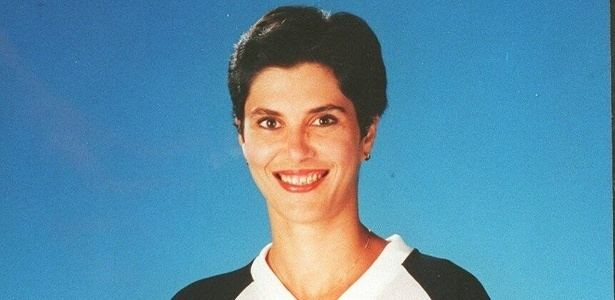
(300, 181)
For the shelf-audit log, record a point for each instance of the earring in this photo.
(368, 156)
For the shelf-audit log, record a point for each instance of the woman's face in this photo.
(302, 142)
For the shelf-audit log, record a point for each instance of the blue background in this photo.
(121, 177)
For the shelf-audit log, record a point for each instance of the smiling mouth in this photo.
(300, 181)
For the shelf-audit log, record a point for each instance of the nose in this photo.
(299, 147)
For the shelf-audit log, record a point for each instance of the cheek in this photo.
(340, 148)
(258, 152)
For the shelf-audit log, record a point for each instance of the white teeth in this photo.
(300, 180)
(313, 178)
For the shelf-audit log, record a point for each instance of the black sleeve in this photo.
(220, 287)
(442, 279)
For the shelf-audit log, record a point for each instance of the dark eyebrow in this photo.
(268, 112)
(326, 108)
(264, 112)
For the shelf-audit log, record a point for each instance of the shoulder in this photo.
(442, 279)
(223, 286)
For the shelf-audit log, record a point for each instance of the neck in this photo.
(322, 260)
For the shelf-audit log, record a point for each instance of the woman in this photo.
(308, 90)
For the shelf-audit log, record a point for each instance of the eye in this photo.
(326, 120)
(269, 123)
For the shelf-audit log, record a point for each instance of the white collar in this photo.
(370, 283)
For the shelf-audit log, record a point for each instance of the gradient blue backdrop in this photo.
(121, 177)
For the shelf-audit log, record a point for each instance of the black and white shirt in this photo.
(400, 272)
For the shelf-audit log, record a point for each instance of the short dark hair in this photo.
(289, 35)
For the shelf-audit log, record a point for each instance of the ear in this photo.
(240, 138)
(367, 142)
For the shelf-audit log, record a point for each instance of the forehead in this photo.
(300, 87)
